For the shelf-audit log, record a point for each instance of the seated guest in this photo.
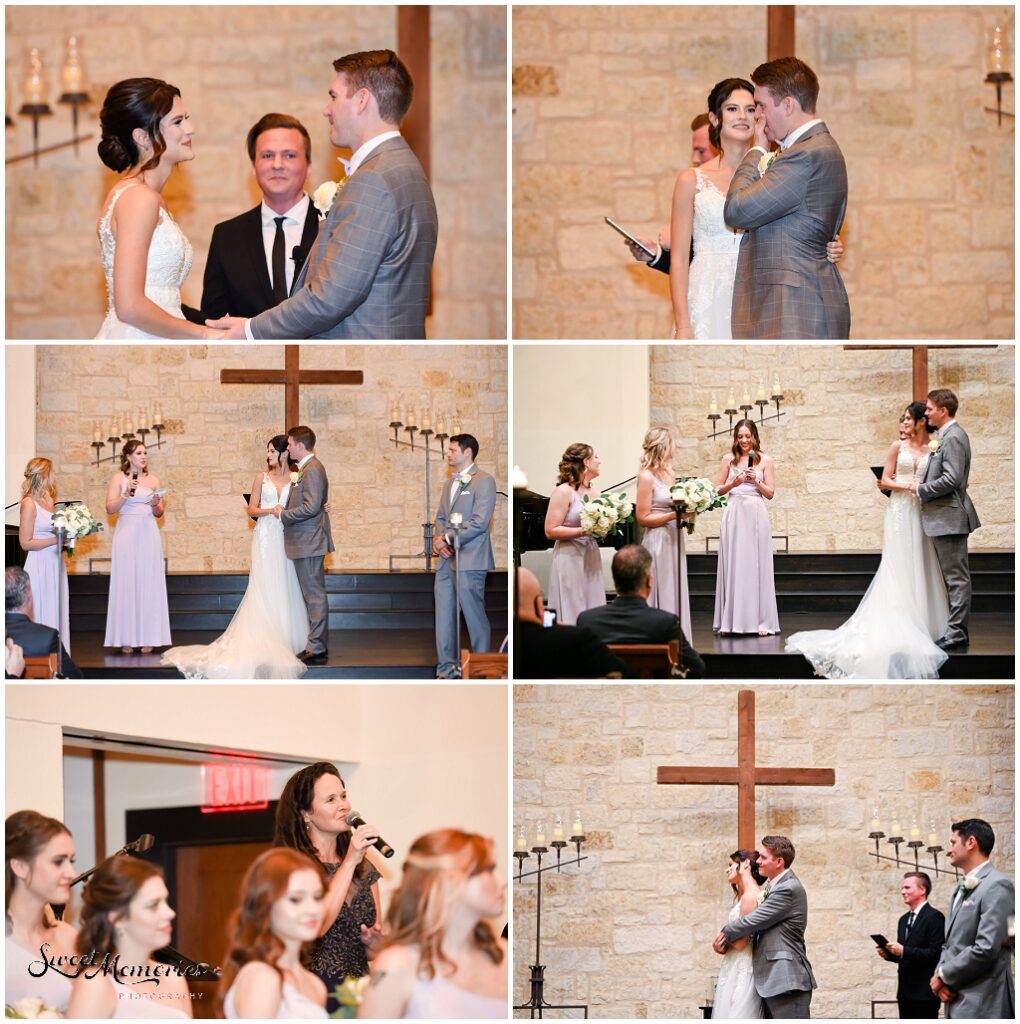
(559, 652)
(34, 639)
(254, 258)
(629, 620)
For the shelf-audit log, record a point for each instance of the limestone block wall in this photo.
(602, 107)
(842, 408)
(217, 434)
(232, 65)
(629, 931)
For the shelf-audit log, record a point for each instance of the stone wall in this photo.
(842, 409)
(233, 64)
(629, 931)
(602, 105)
(217, 433)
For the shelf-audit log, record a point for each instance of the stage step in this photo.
(357, 600)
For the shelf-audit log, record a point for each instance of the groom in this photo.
(947, 514)
(782, 974)
(785, 287)
(307, 538)
(369, 273)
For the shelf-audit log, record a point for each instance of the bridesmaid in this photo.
(40, 868)
(745, 589)
(654, 512)
(35, 535)
(575, 576)
(137, 615)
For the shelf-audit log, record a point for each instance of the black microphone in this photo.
(134, 483)
(298, 256)
(750, 460)
(143, 843)
(355, 820)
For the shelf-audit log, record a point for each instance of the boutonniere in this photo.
(968, 884)
(295, 478)
(934, 445)
(766, 161)
(324, 196)
(464, 479)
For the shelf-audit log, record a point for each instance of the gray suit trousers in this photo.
(312, 581)
(951, 550)
(472, 604)
(794, 1005)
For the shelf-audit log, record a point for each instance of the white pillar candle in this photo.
(558, 829)
(713, 408)
(540, 835)
(519, 479)
(577, 829)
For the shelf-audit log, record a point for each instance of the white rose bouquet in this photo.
(605, 513)
(78, 521)
(698, 495)
(31, 1008)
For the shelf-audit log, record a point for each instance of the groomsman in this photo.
(471, 494)
(973, 977)
(254, 258)
(916, 949)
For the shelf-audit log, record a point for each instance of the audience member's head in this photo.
(280, 151)
(701, 146)
(17, 591)
(530, 607)
(632, 571)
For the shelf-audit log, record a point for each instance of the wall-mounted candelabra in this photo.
(537, 1003)
(409, 425)
(744, 408)
(133, 427)
(998, 70)
(915, 843)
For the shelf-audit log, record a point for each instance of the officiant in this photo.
(254, 258)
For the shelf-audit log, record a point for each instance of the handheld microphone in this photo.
(355, 820)
(141, 845)
(750, 460)
(134, 482)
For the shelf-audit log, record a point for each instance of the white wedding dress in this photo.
(714, 268)
(168, 264)
(892, 633)
(736, 998)
(270, 625)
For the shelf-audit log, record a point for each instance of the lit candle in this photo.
(915, 833)
(731, 400)
(158, 414)
(558, 829)
(896, 829)
(411, 418)
(522, 839)
(518, 479)
(776, 389)
(456, 425)
(747, 396)
(394, 413)
(35, 85)
(577, 829)
(440, 425)
(540, 835)
(98, 435)
(933, 838)
(997, 52)
(761, 389)
(72, 75)
(712, 407)
(115, 428)
(130, 428)
(426, 422)
(876, 825)
(456, 519)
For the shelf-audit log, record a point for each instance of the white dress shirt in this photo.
(301, 465)
(797, 133)
(293, 230)
(361, 153)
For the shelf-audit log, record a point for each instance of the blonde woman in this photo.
(654, 512)
(440, 958)
(35, 535)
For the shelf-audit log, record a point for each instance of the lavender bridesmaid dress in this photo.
(43, 568)
(137, 615)
(575, 576)
(660, 541)
(745, 589)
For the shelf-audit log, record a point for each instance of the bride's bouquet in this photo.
(698, 495)
(605, 513)
(31, 1008)
(78, 521)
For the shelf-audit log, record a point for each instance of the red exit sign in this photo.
(235, 787)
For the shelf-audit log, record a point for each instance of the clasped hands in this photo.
(941, 989)
(232, 325)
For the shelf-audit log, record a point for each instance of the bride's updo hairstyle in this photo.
(129, 447)
(134, 103)
(656, 446)
(717, 98)
(916, 412)
(279, 444)
(752, 855)
(571, 469)
(108, 894)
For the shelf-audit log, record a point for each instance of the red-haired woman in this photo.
(40, 868)
(279, 918)
(126, 918)
(440, 957)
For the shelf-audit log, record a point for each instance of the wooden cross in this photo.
(292, 377)
(782, 30)
(413, 34)
(746, 775)
(920, 354)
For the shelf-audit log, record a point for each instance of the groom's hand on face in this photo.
(761, 137)
(233, 325)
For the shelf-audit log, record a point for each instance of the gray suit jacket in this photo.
(476, 505)
(306, 529)
(780, 959)
(975, 959)
(785, 287)
(369, 273)
(946, 507)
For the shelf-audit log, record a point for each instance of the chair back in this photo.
(41, 667)
(650, 661)
(484, 666)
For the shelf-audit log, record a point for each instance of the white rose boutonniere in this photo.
(465, 480)
(295, 478)
(934, 445)
(766, 162)
(324, 196)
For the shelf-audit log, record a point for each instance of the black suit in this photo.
(237, 280)
(921, 950)
(38, 641)
(563, 652)
(629, 620)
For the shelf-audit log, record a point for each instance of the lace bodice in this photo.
(905, 471)
(710, 231)
(269, 499)
(169, 260)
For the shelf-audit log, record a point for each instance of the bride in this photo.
(892, 633)
(270, 625)
(736, 998)
(703, 292)
(146, 256)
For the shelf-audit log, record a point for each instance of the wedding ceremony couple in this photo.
(762, 224)
(916, 610)
(282, 623)
(360, 267)
(766, 971)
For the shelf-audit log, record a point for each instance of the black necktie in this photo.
(279, 264)
(910, 921)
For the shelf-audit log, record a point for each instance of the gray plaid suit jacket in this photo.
(306, 529)
(785, 287)
(369, 272)
(946, 508)
(780, 959)
(476, 505)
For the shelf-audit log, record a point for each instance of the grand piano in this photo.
(529, 526)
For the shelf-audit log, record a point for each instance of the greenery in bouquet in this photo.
(348, 995)
(78, 521)
(605, 514)
(698, 495)
(31, 1008)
